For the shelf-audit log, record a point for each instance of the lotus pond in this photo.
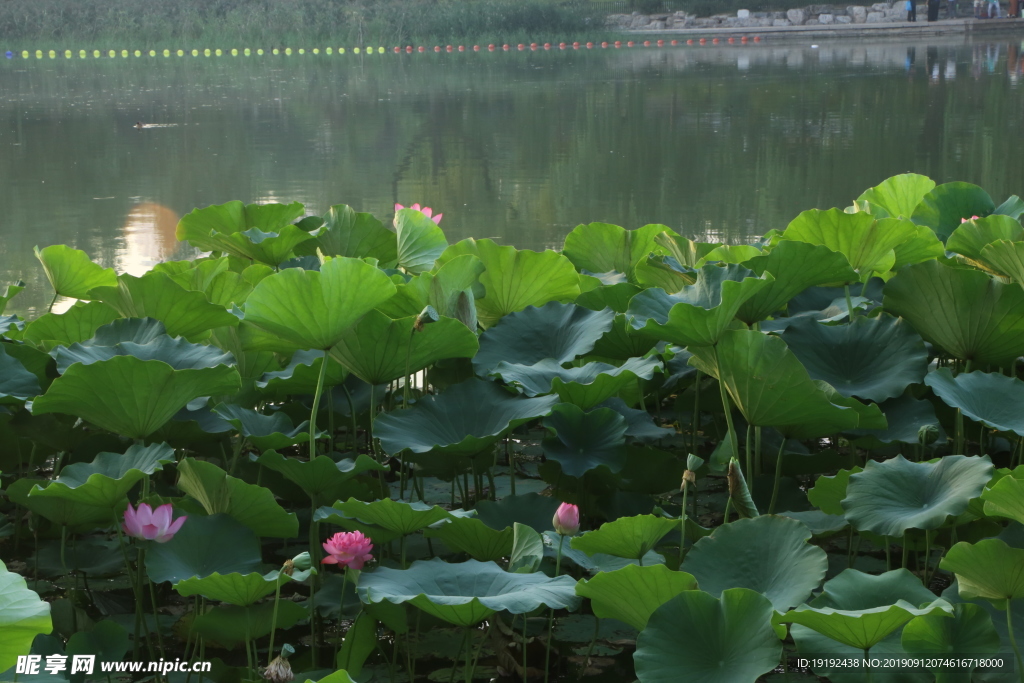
(342, 451)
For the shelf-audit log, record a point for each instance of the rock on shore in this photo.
(880, 12)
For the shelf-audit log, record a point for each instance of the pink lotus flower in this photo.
(567, 519)
(348, 549)
(148, 524)
(972, 218)
(426, 211)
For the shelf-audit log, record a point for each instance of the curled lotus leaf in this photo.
(867, 243)
(585, 385)
(897, 196)
(203, 546)
(989, 569)
(582, 441)
(321, 478)
(259, 232)
(633, 593)
(970, 238)
(265, 432)
(235, 588)
(72, 273)
(419, 241)
(347, 232)
(628, 537)
(946, 205)
(23, 616)
(76, 324)
(17, 383)
(601, 247)
(990, 398)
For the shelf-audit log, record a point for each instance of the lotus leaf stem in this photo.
(927, 555)
(341, 610)
(1013, 640)
(728, 417)
(695, 424)
(458, 655)
(778, 475)
(749, 451)
(330, 421)
(273, 618)
(906, 547)
(352, 414)
(525, 662)
(316, 405)
(551, 612)
(248, 640)
(63, 543)
(849, 303)
(758, 463)
(471, 669)
(156, 620)
(868, 677)
(888, 554)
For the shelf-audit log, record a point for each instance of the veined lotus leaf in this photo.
(923, 246)
(905, 416)
(1005, 258)
(8, 292)
(235, 588)
(795, 267)
(228, 626)
(664, 272)
(820, 523)
(584, 386)
(557, 331)
(265, 432)
(696, 315)
(179, 353)
(633, 593)
(212, 277)
(378, 349)
(870, 358)
(971, 237)
(73, 514)
(515, 279)
(986, 397)
(989, 569)
(583, 441)
(471, 536)
(730, 253)
(600, 247)
(302, 373)
(322, 477)
(314, 309)
(1012, 207)
(863, 628)
(106, 481)
(967, 313)
(71, 273)
(202, 546)
(946, 205)
(23, 616)
(623, 341)
(251, 365)
(890, 497)
(697, 638)
(640, 426)
(687, 253)
(464, 420)
(420, 241)
(827, 492)
(767, 554)
(259, 232)
(252, 505)
(968, 632)
(527, 550)
(897, 196)
(598, 562)
(453, 289)
(76, 324)
(129, 396)
(379, 535)
(17, 384)
(628, 537)
(616, 297)
(531, 509)
(772, 388)
(465, 593)
(1005, 499)
(353, 234)
(393, 515)
(867, 243)
(155, 295)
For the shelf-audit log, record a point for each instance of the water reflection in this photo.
(147, 238)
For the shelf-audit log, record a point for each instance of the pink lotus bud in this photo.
(148, 524)
(348, 549)
(567, 519)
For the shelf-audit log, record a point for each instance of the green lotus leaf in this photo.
(378, 349)
(8, 292)
(665, 272)
(969, 632)
(129, 396)
(897, 196)
(946, 205)
(863, 628)
(322, 478)
(155, 295)
(265, 432)
(471, 536)
(906, 416)
(989, 569)
(730, 253)
(1005, 499)
(203, 546)
(353, 234)
(527, 550)
(530, 509)
(923, 246)
(633, 593)
(179, 353)
(464, 420)
(394, 515)
(76, 324)
(251, 365)
(515, 279)
(697, 638)
(767, 554)
(229, 626)
(557, 331)
(967, 313)
(795, 267)
(890, 497)
(453, 289)
(107, 640)
(259, 232)
(71, 273)
(235, 588)
(17, 384)
(600, 247)
(867, 243)
(986, 397)
(827, 492)
(699, 314)
(420, 241)
(301, 374)
(640, 425)
(379, 535)
(970, 238)
(871, 358)
(465, 593)
(628, 537)
(687, 253)
(73, 514)
(583, 441)
(314, 309)
(1012, 207)
(584, 386)
(1005, 258)
(252, 505)
(23, 616)
(106, 481)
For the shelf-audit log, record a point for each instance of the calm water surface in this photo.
(723, 142)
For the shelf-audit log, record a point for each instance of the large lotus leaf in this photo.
(767, 554)
(584, 386)
(76, 324)
(1012, 207)
(890, 497)
(795, 266)
(664, 272)
(73, 514)
(968, 633)
(393, 515)
(628, 537)
(923, 246)
(698, 638)
(897, 196)
(464, 420)
(557, 331)
(17, 384)
(23, 616)
(854, 590)
(1005, 258)
(234, 588)
(71, 272)
(129, 396)
(202, 546)
(828, 491)
(378, 349)
(453, 289)
(259, 232)
(420, 241)
(946, 205)
(155, 295)
(516, 279)
(970, 238)
(600, 247)
(8, 292)
(989, 569)
(640, 425)
(106, 481)
(379, 535)
(686, 253)
(352, 234)
(264, 431)
(905, 416)
(179, 353)
(1005, 499)
(871, 358)
(530, 509)
(583, 441)
(867, 243)
(771, 387)
(696, 315)
(229, 626)
(730, 253)
(471, 536)
(322, 477)
(862, 628)
(252, 505)
(314, 309)
(464, 593)
(987, 397)
(302, 374)
(633, 593)
(967, 313)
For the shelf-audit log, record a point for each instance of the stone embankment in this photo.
(812, 15)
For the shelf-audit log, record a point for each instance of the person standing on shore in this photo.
(977, 8)
(951, 9)
(933, 10)
(911, 10)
